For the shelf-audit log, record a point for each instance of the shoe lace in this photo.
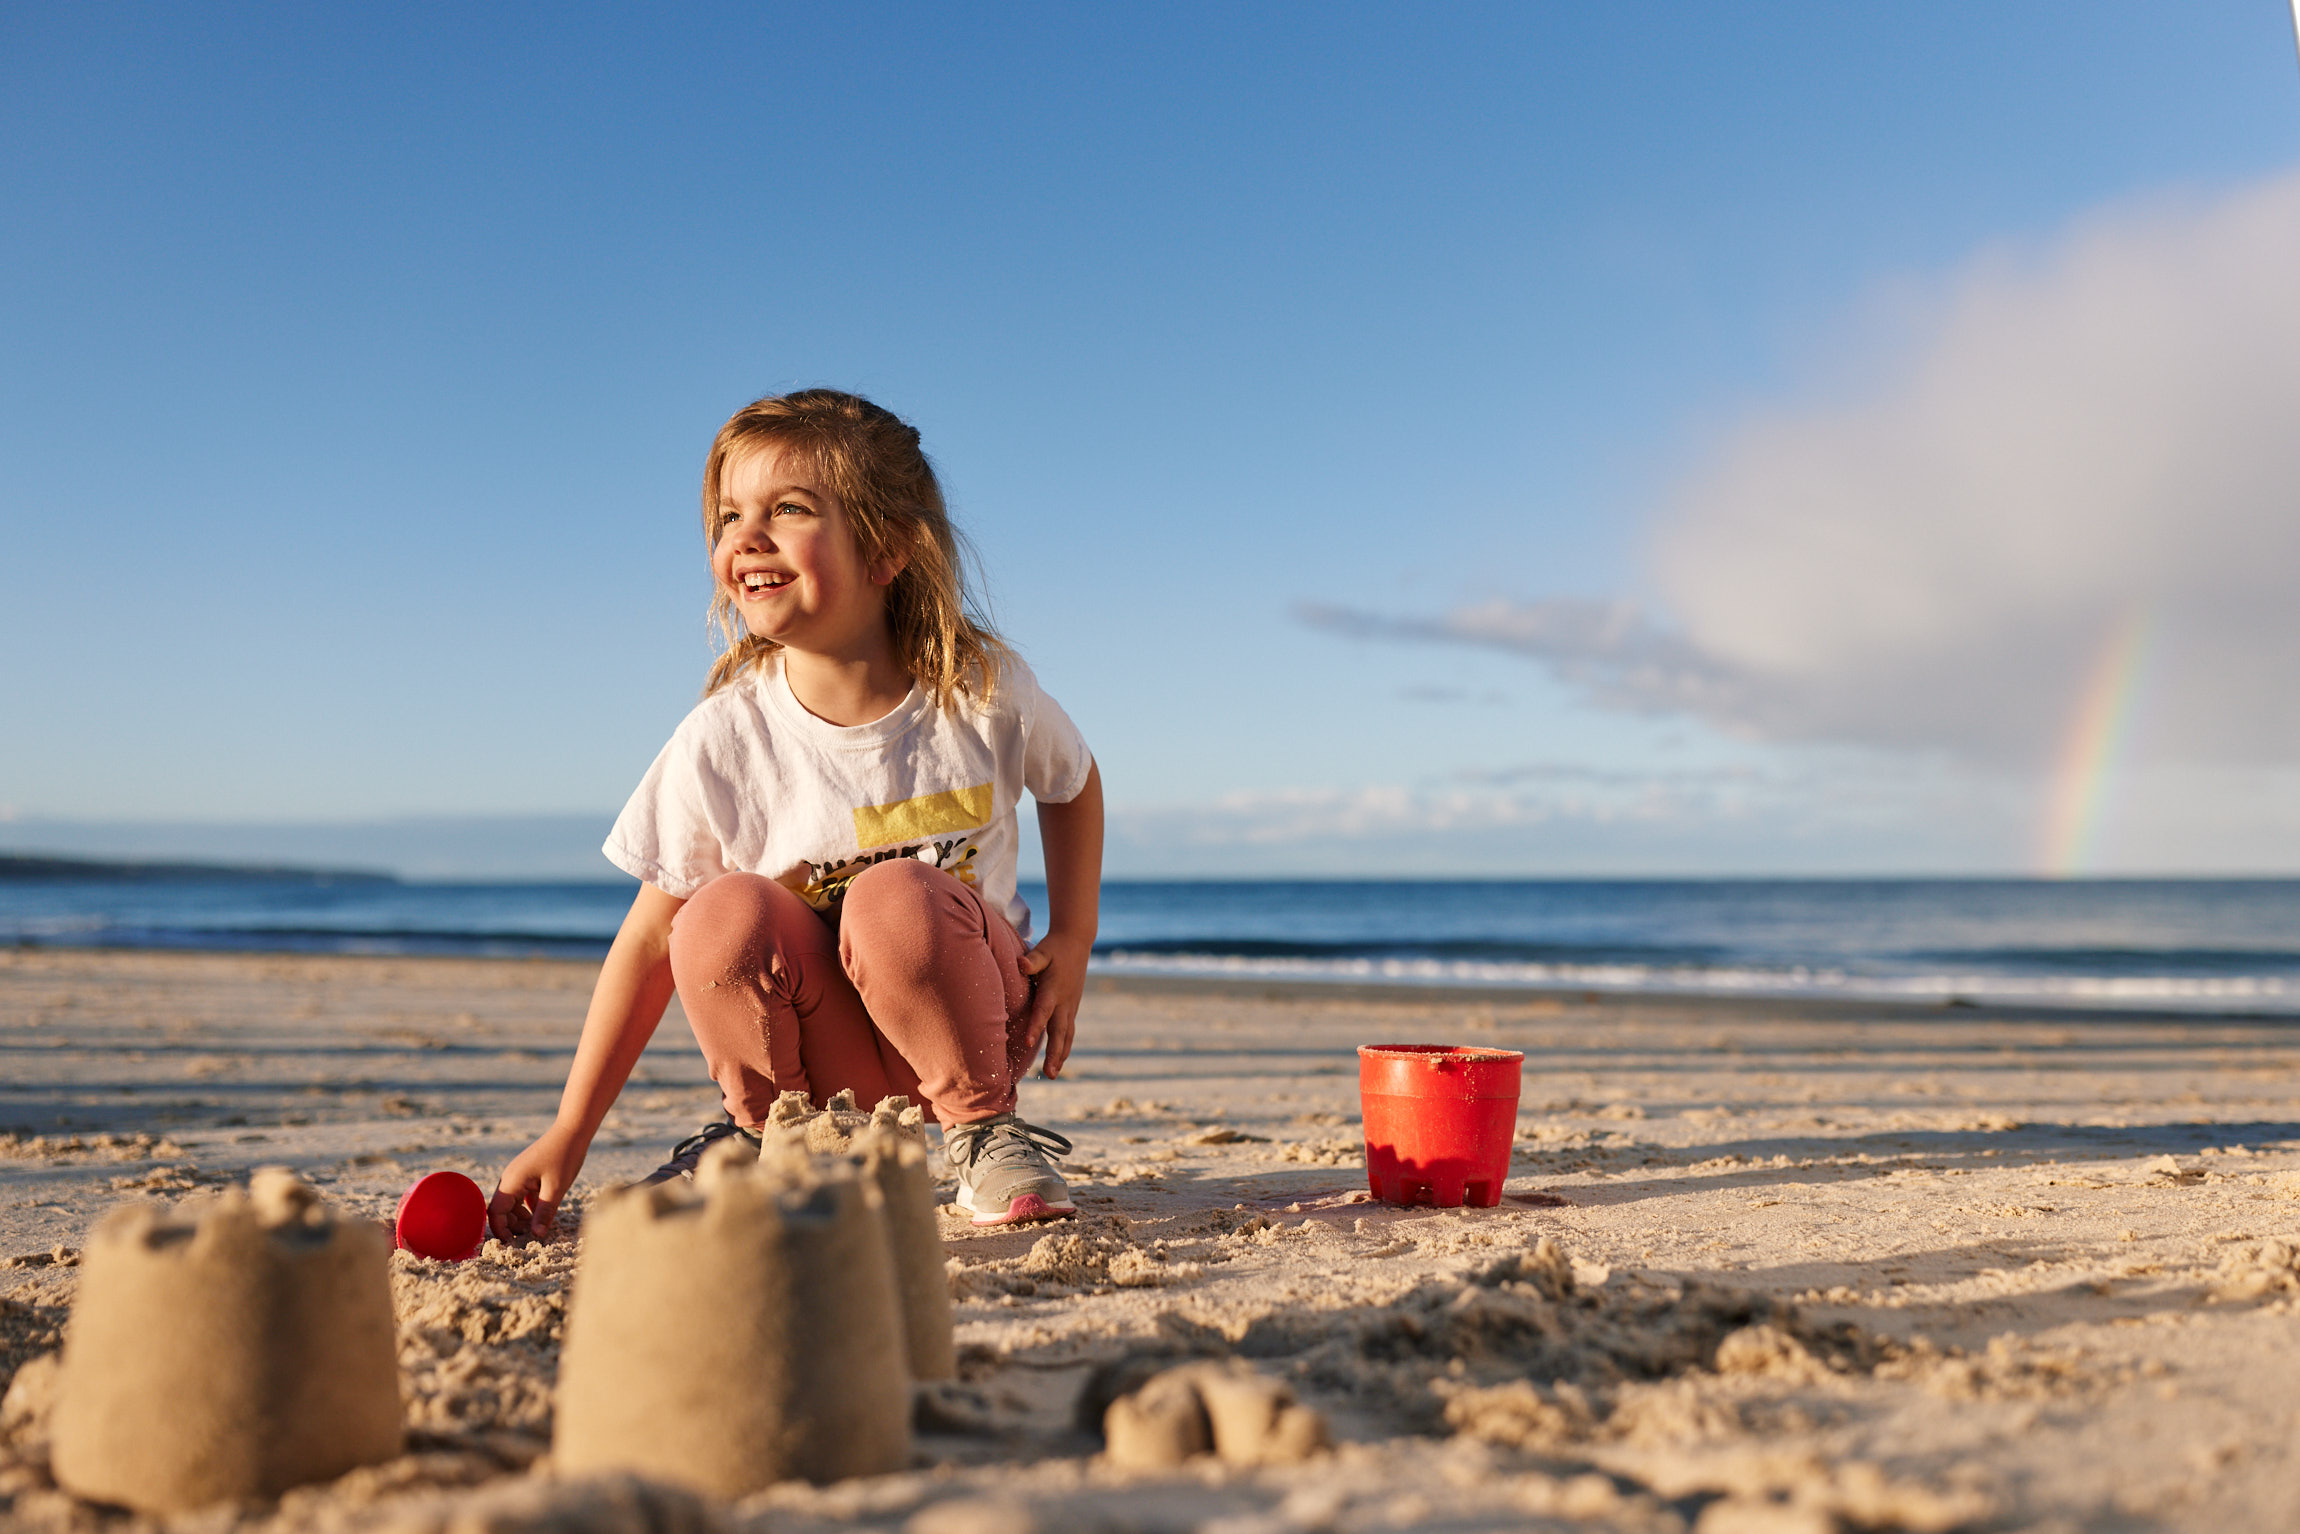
(708, 1135)
(1028, 1142)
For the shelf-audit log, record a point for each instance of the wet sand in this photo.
(1807, 1267)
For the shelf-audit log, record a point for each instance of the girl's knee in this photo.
(905, 907)
(731, 902)
(907, 925)
(737, 917)
(903, 897)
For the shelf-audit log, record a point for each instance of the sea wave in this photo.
(2254, 992)
(87, 932)
(2192, 946)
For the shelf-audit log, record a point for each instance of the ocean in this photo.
(2189, 945)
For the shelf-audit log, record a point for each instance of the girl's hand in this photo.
(1058, 967)
(634, 987)
(526, 1201)
(1072, 833)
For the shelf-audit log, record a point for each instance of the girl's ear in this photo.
(888, 565)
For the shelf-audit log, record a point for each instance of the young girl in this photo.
(827, 844)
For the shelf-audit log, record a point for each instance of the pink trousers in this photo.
(919, 991)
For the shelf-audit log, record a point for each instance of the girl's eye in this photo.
(794, 508)
(727, 517)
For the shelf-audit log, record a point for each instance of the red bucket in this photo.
(1439, 1121)
(444, 1216)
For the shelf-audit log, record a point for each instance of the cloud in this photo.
(1588, 774)
(1819, 813)
(1433, 692)
(1475, 801)
(1608, 649)
(2060, 442)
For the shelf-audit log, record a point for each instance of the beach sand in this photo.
(1762, 1266)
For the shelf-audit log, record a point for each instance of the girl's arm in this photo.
(1072, 834)
(634, 987)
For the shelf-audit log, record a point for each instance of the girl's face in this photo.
(788, 558)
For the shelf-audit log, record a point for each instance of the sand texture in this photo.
(1756, 1266)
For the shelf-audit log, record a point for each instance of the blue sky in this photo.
(1300, 373)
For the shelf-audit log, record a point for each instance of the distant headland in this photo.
(20, 868)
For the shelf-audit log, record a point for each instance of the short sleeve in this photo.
(664, 835)
(1055, 760)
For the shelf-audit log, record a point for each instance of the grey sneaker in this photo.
(1003, 1175)
(688, 1153)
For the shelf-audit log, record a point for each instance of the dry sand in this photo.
(1763, 1267)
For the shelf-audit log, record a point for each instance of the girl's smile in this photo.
(788, 557)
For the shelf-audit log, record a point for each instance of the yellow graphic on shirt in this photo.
(954, 809)
(824, 885)
(937, 829)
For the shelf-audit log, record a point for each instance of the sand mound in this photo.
(1775, 1492)
(108, 1147)
(1521, 1351)
(2257, 1269)
(1094, 1259)
(1346, 1152)
(1224, 1409)
(1520, 1319)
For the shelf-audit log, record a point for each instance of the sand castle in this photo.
(889, 1145)
(741, 1331)
(1224, 1409)
(233, 1347)
(831, 1129)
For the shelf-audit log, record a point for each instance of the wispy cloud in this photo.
(1435, 692)
(1607, 648)
(1816, 814)
(1587, 775)
(1473, 801)
(2059, 438)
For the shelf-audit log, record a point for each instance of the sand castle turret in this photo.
(914, 1237)
(232, 1347)
(738, 1332)
(889, 1145)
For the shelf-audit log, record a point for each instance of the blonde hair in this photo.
(870, 459)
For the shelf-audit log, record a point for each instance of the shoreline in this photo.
(1660, 1002)
(1851, 1009)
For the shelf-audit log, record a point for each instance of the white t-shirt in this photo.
(753, 783)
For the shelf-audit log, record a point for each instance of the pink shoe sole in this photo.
(1027, 1208)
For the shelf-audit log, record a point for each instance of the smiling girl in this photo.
(827, 844)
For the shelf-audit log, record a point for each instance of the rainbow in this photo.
(2078, 789)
